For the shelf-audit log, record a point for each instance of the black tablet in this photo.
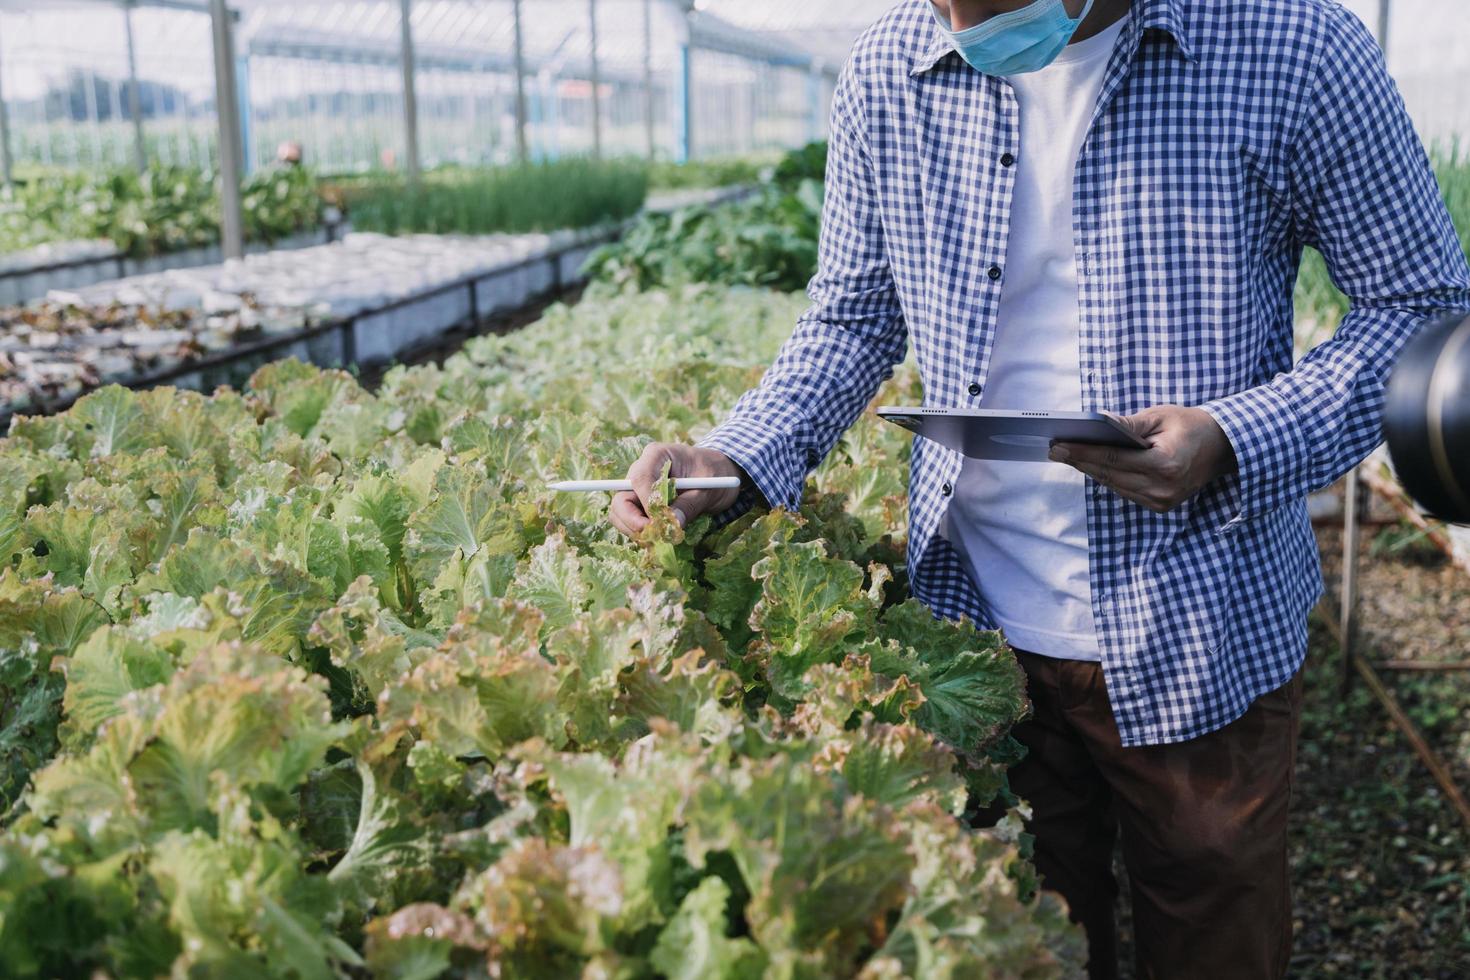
(996, 433)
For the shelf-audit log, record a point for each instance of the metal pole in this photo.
(135, 98)
(648, 75)
(5, 161)
(685, 79)
(1384, 8)
(596, 80)
(94, 122)
(227, 114)
(410, 98)
(247, 129)
(1352, 503)
(814, 102)
(520, 61)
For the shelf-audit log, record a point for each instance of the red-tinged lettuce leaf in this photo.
(696, 945)
(235, 711)
(545, 909)
(589, 656)
(691, 692)
(38, 623)
(733, 591)
(813, 610)
(838, 695)
(243, 905)
(460, 517)
(103, 671)
(969, 912)
(362, 637)
(481, 694)
(895, 765)
(974, 690)
(625, 811)
(825, 869)
(420, 941)
(432, 700)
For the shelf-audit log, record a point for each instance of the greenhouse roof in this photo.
(475, 33)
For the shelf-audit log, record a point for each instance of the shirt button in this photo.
(994, 272)
(946, 489)
(1007, 159)
(974, 388)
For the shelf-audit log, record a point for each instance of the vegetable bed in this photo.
(308, 681)
(385, 295)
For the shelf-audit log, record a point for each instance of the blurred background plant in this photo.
(573, 192)
(163, 209)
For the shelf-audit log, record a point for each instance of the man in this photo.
(1097, 205)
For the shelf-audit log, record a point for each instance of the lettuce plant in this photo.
(308, 681)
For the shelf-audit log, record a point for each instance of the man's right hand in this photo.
(629, 511)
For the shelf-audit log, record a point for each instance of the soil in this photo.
(1380, 861)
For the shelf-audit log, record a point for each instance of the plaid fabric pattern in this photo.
(1228, 135)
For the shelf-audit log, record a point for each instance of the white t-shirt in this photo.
(1022, 525)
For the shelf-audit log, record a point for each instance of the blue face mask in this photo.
(1017, 41)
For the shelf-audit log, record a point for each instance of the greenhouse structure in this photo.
(624, 490)
(367, 84)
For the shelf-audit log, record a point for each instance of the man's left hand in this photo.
(1187, 449)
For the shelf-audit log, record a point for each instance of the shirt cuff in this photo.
(1271, 451)
(776, 467)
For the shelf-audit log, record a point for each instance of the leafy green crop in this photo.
(313, 682)
(164, 209)
(570, 193)
(805, 163)
(768, 239)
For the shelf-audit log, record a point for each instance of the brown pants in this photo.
(1203, 824)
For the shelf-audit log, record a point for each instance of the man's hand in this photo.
(629, 511)
(1187, 449)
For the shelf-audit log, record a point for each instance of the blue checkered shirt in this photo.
(1228, 135)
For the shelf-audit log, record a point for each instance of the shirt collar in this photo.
(1164, 15)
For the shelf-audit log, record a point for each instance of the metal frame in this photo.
(522, 151)
(1360, 484)
(135, 98)
(410, 91)
(595, 79)
(227, 112)
(6, 163)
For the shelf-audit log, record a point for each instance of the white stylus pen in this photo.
(681, 483)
